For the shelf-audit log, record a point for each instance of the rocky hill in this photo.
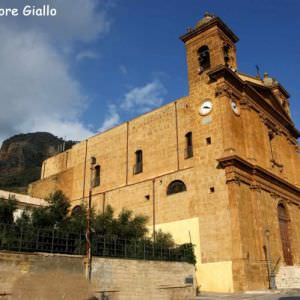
(21, 158)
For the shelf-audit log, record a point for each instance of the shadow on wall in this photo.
(290, 298)
(52, 286)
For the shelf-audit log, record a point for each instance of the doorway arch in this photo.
(284, 229)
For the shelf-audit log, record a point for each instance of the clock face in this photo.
(235, 107)
(205, 108)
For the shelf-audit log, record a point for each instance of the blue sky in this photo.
(99, 63)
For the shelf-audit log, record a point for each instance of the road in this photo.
(283, 295)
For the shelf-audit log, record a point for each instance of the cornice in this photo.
(222, 71)
(256, 172)
(283, 117)
(277, 86)
(283, 90)
(216, 21)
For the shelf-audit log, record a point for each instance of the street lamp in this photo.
(271, 273)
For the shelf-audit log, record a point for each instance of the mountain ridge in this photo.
(22, 155)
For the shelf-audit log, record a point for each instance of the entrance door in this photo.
(284, 234)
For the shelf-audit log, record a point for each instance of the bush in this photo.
(7, 209)
(55, 229)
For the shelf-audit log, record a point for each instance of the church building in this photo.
(219, 167)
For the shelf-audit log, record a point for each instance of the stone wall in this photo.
(119, 278)
(288, 278)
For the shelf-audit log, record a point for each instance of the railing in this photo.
(15, 238)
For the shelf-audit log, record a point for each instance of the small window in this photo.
(208, 140)
(176, 186)
(138, 167)
(188, 145)
(204, 58)
(97, 176)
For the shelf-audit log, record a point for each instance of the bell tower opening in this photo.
(204, 58)
(209, 44)
(226, 49)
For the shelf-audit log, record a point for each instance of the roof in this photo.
(23, 199)
(206, 23)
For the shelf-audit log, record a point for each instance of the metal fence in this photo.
(24, 239)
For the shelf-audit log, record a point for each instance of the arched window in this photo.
(283, 219)
(97, 176)
(204, 58)
(138, 167)
(176, 186)
(188, 145)
(77, 211)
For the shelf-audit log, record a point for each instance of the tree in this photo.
(53, 216)
(125, 226)
(127, 231)
(58, 208)
(24, 221)
(104, 223)
(129, 226)
(7, 209)
(164, 239)
(77, 219)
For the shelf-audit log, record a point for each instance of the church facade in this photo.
(219, 167)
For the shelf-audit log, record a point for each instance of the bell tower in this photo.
(210, 44)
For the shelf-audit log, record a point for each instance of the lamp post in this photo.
(271, 273)
(88, 223)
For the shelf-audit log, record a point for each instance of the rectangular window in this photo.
(138, 167)
(96, 181)
(208, 140)
(188, 152)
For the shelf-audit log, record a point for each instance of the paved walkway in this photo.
(264, 295)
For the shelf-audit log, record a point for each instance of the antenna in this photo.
(257, 72)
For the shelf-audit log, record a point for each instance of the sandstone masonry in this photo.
(238, 172)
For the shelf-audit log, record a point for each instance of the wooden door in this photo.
(284, 234)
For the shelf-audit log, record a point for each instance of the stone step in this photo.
(288, 277)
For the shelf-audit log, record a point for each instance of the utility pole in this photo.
(271, 271)
(88, 223)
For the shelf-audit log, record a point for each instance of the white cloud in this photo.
(35, 86)
(37, 90)
(80, 20)
(73, 130)
(111, 120)
(137, 100)
(86, 55)
(144, 98)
